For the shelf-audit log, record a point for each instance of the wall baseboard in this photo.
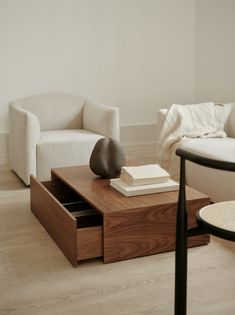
(130, 135)
(3, 148)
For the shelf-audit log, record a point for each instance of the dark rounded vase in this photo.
(107, 158)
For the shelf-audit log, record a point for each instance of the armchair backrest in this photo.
(54, 111)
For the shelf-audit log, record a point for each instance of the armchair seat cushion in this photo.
(58, 148)
(218, 184)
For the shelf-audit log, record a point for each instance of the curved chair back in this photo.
(204, 161)
(54, 111)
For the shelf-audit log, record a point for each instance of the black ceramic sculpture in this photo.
(107, 158)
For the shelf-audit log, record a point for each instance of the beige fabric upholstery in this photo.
(64, 147)
(54, 130)
(55, 111)
(219, 185)
(103, 122)
(23, 137)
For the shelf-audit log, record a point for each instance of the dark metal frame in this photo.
(182, 231)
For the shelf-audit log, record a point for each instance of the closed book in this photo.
(144, 175)
(129, 190)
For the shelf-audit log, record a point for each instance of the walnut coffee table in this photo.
(87, 218)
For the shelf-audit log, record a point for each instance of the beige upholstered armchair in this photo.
(55, 130)
(215, 183)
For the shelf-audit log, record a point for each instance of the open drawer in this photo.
(75, 226)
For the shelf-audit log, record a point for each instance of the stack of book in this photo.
(142, 180)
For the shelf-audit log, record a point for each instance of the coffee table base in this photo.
(116, 233)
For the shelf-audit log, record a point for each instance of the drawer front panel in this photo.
(89, 242)
(75, 226)
(58, 222)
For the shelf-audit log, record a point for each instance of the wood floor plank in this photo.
(36, 278)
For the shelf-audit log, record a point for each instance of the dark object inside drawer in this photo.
(84, 213)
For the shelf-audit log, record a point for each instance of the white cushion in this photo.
(218, 184)
(60, 148)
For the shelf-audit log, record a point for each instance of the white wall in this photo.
(215, 50)
(134, 54)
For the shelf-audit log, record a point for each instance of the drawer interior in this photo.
(63, 193)
(84, 213)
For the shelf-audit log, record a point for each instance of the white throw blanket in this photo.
(184, 123)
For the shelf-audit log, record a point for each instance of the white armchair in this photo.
(219, 185)
(55, 130)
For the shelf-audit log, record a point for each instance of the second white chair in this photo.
(55, 130)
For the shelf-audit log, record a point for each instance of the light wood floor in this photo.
(36, 278)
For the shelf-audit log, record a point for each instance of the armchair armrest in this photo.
(161, 115)
(23, 137)
(230, 123)
(101, 119)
